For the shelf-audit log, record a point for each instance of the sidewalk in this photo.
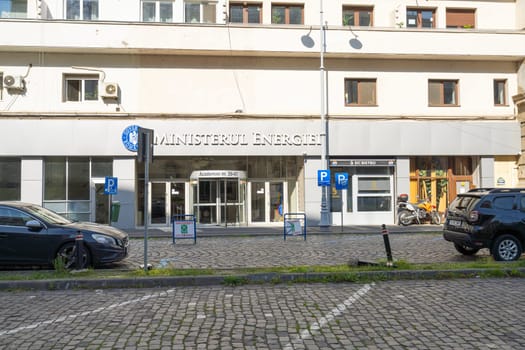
(260, 230)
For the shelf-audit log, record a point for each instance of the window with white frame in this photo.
(78, 88)
(157, 11)
(86, 10)
(500, 92)
(200, 12)
(13, 8)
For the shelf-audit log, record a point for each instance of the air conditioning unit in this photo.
(109, 90)
(14, 82)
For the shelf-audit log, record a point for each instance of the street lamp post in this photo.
(325, 218)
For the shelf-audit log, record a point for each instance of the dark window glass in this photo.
(55, 179)
(78, 179)
(10, 179)
(505, 203)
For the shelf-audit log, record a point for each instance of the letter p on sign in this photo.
(323, 177)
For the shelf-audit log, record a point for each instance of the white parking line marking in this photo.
(323, 321)
(86, 313)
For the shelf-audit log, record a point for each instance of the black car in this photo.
(33, 235)
(492, 218)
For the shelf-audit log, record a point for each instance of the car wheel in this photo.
(465, 250)
(506, 248)
(67, 253)
(435, 218)
(405, 218)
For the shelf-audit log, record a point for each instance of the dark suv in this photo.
(492, 218)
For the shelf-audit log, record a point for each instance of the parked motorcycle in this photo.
(416, 213)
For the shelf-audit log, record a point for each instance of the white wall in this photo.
(124, 170)
(32, 175)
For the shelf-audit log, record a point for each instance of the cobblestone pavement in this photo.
(271, 251)
(431, 314)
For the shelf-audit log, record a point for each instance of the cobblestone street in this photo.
(270, 251)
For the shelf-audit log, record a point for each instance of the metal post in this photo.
(384, 231)
(79, 242)
(146, 194)
(325, 219)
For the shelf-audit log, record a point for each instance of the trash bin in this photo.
(115, 211)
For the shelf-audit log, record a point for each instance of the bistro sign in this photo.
(253, 139)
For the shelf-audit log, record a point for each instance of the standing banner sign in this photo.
(184, 227)
(295, 225)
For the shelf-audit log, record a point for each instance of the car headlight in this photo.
(103, 239)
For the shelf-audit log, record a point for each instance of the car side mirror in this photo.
(34, 224)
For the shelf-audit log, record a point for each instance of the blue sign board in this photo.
(341, 181)
(111, 185)
(323, 177)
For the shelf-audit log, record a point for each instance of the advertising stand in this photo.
(295, 225)
(184, 227)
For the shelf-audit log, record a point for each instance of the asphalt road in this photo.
(430, 314)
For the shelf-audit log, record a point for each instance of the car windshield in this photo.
(48, 215)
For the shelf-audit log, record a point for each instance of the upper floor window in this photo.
(157, 11)
(500, 92)
(420, 18)
(245, 13)
(443, 92)
(287, 14)
(200, 12)
(79, 88)
(461, 18)
(360, 92)
(13, 8)
(86, 10)
(358, 16)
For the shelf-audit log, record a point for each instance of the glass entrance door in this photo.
(258, 202)
(219, 201)
(268, 201)
(166, 200)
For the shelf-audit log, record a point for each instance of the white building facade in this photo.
(416, 97)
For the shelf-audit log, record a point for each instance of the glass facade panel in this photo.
(73, 9)
(90, 8)
(10, 178)
(78, 179)
(374, 203)
(236, 13)
(364, 18)
(13, 8)
(72, 90)
(101, 167)
(427, 19)
(90, 90)
(373, 185)
(434, 93)
(192, 13)
(55, 179)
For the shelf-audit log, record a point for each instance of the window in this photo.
(500, 92)
(360, 92)
(461, 18)
(504, 203)
(80, 88)
(67, 184)
(374, 194)
(197, 12)
(157, 11)
(420, 18)
(13, 217)
(358, 16)
(10, 175)
(245, 13)
(13, 8)
(86, 10)
(443, 92)
(287, 14)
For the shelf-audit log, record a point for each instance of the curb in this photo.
(263, 278)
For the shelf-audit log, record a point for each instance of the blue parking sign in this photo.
(341, 181)
(110, 185)
(323, 177)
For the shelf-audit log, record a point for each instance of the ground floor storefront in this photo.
(253, 176)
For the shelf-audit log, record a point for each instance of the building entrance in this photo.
(167, 199)
(219, 197)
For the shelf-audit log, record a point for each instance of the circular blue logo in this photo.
(130, 138)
